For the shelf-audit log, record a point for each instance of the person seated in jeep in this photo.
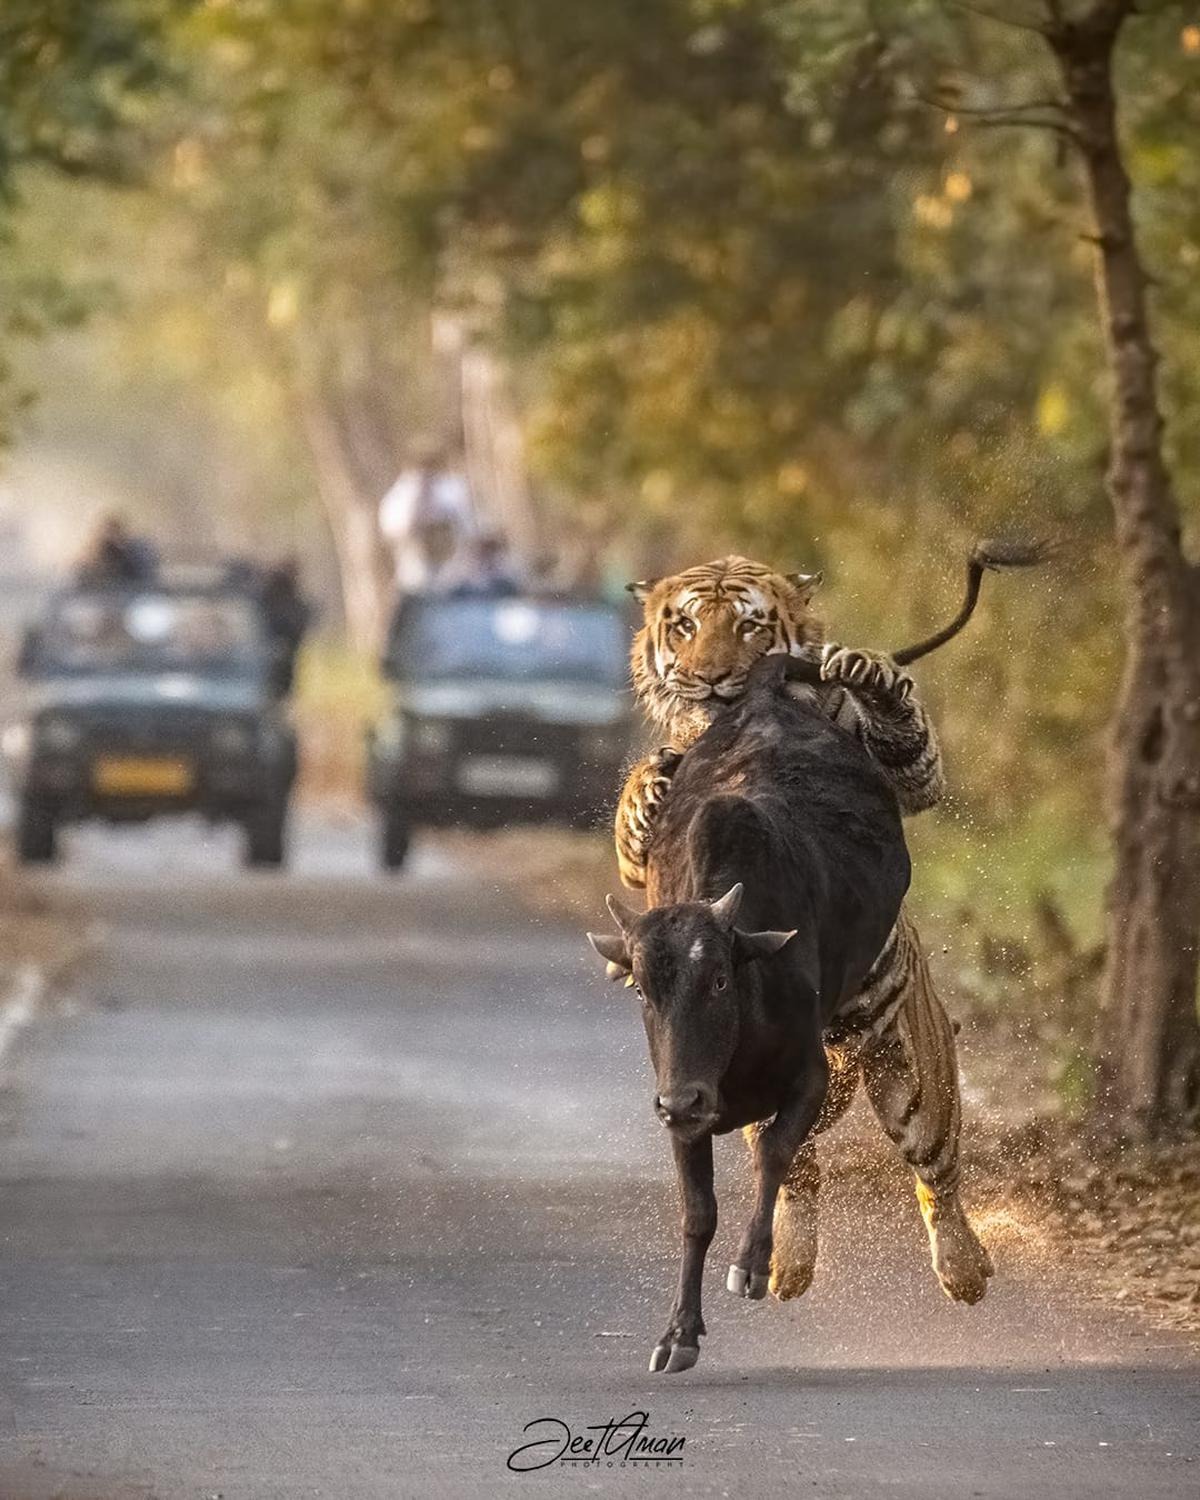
(115, 556)
(287, 613)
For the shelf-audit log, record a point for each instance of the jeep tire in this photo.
(37, 833)
(395, 836)
(266, 834)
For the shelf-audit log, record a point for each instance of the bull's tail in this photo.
(993, 556)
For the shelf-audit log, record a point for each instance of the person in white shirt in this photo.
(428, 518)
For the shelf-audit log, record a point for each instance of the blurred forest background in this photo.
(745, 275)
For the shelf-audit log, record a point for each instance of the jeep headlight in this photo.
(16, 740)
(57, 733)
(232, 739)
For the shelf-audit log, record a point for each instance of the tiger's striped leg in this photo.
(910, 1071)
(893, 725)
(642, 796)
(794, 1248)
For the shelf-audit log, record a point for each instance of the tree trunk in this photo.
(352, 517)
(496, 456)
(1149, 1053)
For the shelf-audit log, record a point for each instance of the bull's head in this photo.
(687, 964)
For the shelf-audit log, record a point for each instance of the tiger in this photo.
(703, 630)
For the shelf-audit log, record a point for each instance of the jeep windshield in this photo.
(101, 632)
(536, 640)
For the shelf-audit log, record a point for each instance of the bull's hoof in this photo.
(750, 1284)
(671, 1359)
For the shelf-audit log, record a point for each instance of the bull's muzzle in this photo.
(688, 1108)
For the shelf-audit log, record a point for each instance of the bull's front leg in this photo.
(645, 790)
(774, 1147)
(679, 1347)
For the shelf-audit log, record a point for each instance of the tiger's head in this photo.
(706, 627)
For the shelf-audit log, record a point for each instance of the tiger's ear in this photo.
(643, 588)
(806, 583)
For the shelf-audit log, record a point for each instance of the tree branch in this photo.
(989, 110)
(1010, 114)
(1055, 127)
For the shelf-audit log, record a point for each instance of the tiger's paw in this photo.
(641, 802)
(865, 671)
(653, 784)
(794, 1250)
(790, 1281)
(960, 1259)
(661, 765)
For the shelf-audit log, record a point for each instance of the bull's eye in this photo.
(720, 983)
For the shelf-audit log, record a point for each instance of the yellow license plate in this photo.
(142, 776)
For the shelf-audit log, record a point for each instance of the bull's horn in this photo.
(624, 916)
(726, 909)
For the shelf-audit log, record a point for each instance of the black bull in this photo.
(775, 876)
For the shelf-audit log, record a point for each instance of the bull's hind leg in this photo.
(911, 1075)
(794, 1256)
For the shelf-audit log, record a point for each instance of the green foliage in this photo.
(768, 279)
(78, 79)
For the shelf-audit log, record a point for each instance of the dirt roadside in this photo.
(1127, 1221)
(39, 949)
(33, 935)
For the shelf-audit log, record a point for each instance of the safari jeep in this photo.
(503, 710)
(146, 700)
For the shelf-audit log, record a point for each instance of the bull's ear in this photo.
(748, 945)
(624, 916)
(726, 909)
(613, 951)
(806, 583)
(642, 588)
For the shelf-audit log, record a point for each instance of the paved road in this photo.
(326, 1186)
